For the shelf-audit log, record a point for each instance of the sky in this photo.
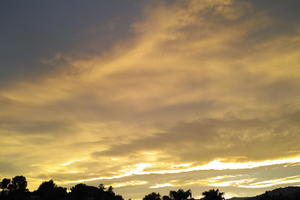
(151, 96)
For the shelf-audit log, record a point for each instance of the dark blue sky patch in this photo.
(35, 30)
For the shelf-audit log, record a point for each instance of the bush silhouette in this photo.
(213, 195)
(152, 196)
(49, 190)
(18, 183)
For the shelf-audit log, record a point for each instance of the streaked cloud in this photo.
(161, 185)
(200, 94)
(129, 183)
(274, 182)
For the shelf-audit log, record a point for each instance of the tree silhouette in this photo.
(118, 197)
(152, 196)
(110, 190)
(47, 186)
(79, 192)
(18, 183)
(4, 185)
(101, 187)
(16, 189)
(165, 197)
(213, 195)
(49, 190)
(83, 192)
(180, 194)
(109, 194)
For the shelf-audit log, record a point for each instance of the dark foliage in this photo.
(16, 189)
(152, 196)
(18, 183)
(165, 197)
(213, 195)
(49, 190)
(180, 194)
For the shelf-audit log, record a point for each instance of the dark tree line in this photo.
(16, 189)
(185, 195)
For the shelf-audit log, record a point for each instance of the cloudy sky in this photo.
(151, 95)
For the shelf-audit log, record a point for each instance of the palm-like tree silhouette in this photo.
(213, 195)
(180, 194)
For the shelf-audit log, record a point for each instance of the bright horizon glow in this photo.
(214, 165)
